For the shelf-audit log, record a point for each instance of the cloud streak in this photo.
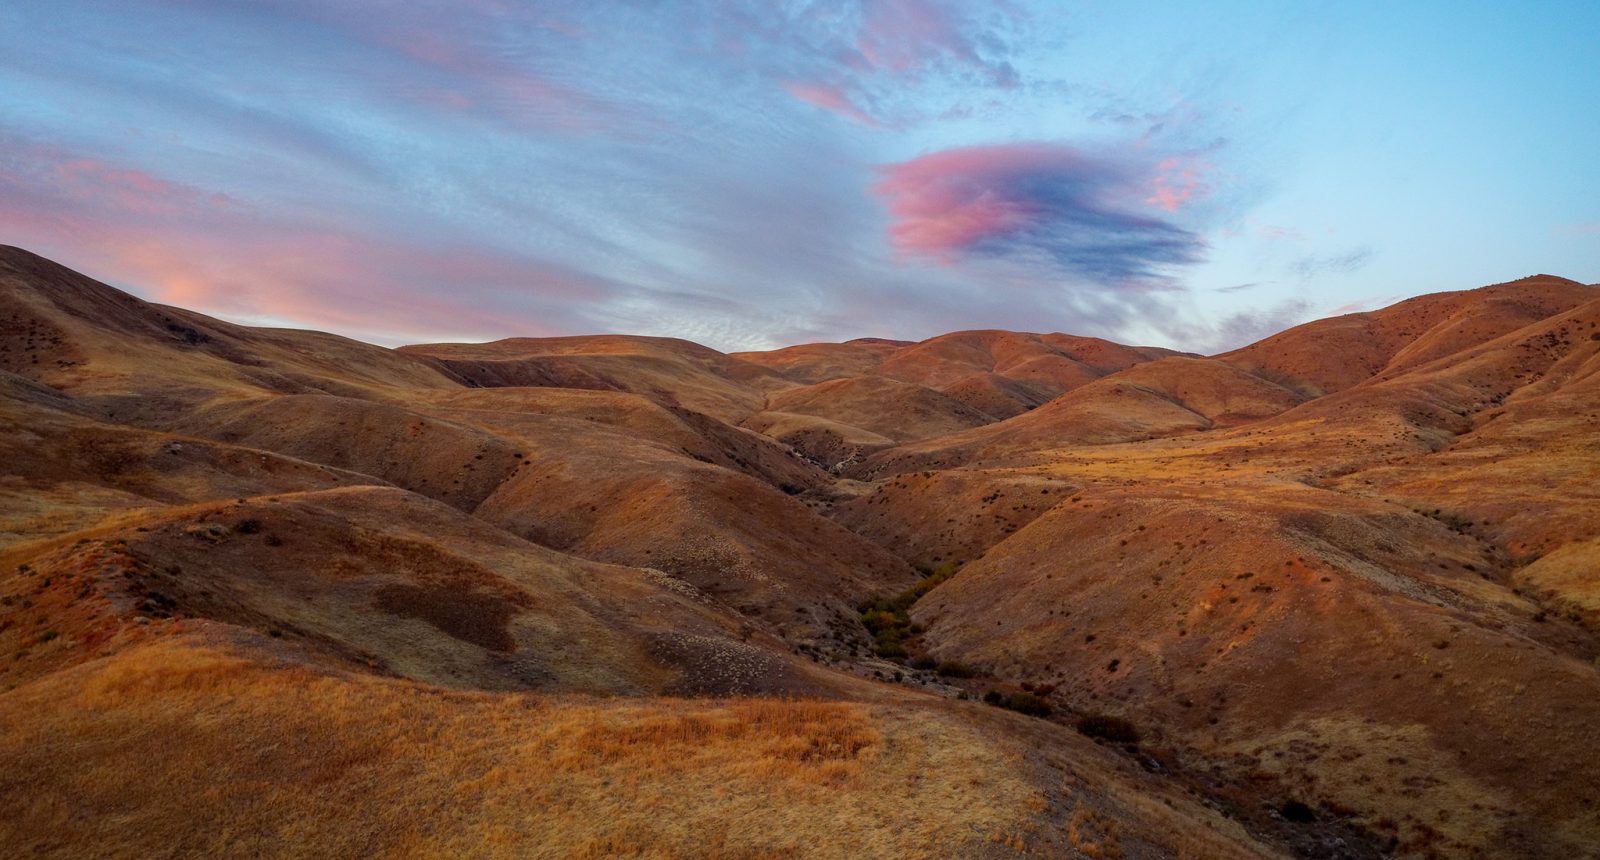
(878, 63)
(186, 245)
(1313, 266)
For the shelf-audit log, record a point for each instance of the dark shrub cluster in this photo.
(1108, 728)
(955, 669)
(1022, 703)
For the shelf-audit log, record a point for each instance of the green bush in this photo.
(888, 619)
(888, 647)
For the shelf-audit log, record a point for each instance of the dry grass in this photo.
(185, 747)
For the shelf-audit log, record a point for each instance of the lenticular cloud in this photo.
(1080, 211)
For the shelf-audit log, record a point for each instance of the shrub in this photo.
(1109, 728)
(888, 619)
(248, 527)
(1022, 703)
(1027, 703)
(954, 669)
(889, 648)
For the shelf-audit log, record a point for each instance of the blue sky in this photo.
(752, 174)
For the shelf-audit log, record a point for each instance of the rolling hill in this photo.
(1331, 595)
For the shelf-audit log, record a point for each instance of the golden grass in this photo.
(185, 747)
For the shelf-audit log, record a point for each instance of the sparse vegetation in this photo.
(1026, 703)
(889, 619)
(955, 669)
(1108, 728)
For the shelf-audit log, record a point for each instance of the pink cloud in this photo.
(187, 246)
(1029, 199)
(91, 182)
(829, 99)
(447, 53)
(1178, 181)
(948, 202)
(862, 63)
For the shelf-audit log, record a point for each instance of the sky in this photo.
(754, 174)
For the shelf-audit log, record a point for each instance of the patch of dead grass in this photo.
(184, 746)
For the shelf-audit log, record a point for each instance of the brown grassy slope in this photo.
(828, 444)
(1058, 360)
(1290, 596)
(886, 407)
(547, 412)
(384, 580)
(670, 371)
(1379, 602)
(998, 396)
(1273, 627)
(1333, 354)
(65, 469)
(210, 742)
(617, 478)
(932, 518)
(1513, 434)
(624, 500)
(140, 360)
(1006, 373)
(1167, 397)
(998, 373)
(735, 539)
(811, 363)
(455, 463)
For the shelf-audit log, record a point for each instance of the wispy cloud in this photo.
(1232, 331)
(830, 98)
(1312, 266)
(181, 244)
(876, 62)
